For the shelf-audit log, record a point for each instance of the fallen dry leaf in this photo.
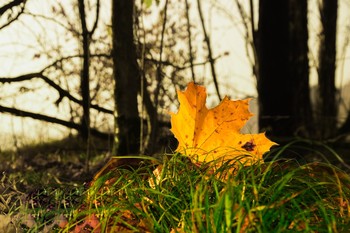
(214, 134)
(89, 224)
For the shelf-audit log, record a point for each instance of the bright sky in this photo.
(19, 42)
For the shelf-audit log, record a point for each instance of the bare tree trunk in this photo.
(284, 102)
(273, 85)
(299, 68)
(85, 74)
(326, 74)
(127, 78)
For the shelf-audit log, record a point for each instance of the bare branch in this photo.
(37, 116)
(250, 35)
(10, 5)
(63, 93)
(159, 63)
(54, 20)
(53, 64)
(210, 55)
(96, 19)
(178, 68)
(154, 122)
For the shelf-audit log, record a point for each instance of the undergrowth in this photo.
(282, 195)
(278, 196)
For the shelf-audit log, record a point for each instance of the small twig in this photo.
(189, 41)
(210, 56)
(159, 80)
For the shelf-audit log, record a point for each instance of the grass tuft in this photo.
(277, 196)
(281, 195)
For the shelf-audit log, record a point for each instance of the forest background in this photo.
(111, 69)
(84, 82)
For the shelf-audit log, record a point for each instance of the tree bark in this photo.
(284, 102)
(274, 98)
(85, 74)
(299, 68)
(127, 78)
(326, 74)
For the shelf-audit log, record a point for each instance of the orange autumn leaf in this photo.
(211, 134)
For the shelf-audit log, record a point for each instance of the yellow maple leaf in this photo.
(214, 134)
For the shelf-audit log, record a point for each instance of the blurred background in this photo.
(109, 70)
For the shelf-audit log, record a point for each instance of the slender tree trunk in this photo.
(189, 34)
(85, 74)
(326, 76)
(151, 147)
(127, 78)
(210, 53)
